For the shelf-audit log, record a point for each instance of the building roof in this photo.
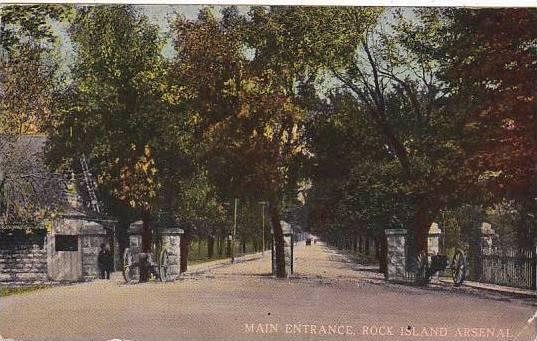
(28, 188)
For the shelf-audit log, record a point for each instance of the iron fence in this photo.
(509, 267)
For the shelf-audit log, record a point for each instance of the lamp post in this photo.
(263, 203)
(233, 234)
(234, 230)
(229, 241)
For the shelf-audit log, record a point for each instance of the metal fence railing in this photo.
(508, 266)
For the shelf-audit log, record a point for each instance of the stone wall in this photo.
(24, 262)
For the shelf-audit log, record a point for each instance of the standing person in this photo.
(109, 264)
(101, 261)
(105, 261)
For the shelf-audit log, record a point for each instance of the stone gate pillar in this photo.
(135, 234)
(433, 240)
(171, 241)
(92, 235)
(135, 243)
(396, 254)
(487, 235)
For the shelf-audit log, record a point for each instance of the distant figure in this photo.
(530, 321)
(110, 260)
(104, 261)
(315, 241)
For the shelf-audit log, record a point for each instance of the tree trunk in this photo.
(422, 229)
(424, 216)
(147, 231)
(396, 145)
(278, 240)
(382, 254)
(220, 246)
(210, 246)
(184, 247)
(243, 247)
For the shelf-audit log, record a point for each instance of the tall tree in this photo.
(489, 62)
(394, 90)
(29, 84)
(491, 58)
(117, 113)
(28, 65)
(251, 125)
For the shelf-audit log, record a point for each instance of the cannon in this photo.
(156, 263)
(427, 268)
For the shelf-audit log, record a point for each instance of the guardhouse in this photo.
(59, 245)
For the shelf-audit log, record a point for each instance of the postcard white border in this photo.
(397, 3)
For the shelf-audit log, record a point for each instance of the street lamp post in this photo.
(263, 203)
(232, 234)
(228, 247)
(234, 231)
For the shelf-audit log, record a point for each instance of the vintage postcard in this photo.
(262, 172)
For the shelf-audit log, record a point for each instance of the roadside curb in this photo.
(444, 282)
(521, 293)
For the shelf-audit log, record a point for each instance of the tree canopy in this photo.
(369, 113)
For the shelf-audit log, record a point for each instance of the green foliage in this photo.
(117, 111)
(20, 24)
(199, 205)
(28, 66)
(490, 58)
(385, 136)
(379, 112)
(250, 126)
(28, 91)
(456, 120)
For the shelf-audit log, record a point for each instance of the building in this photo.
(47, 230)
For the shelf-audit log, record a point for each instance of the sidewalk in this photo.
(519, 292)
(199, 268)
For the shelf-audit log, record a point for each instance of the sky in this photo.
(162, 14)
(157, 14)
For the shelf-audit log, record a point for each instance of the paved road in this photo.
(329, 298)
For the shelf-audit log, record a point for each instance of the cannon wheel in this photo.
(164, 266)
(129, 265)
(422, 274)
(458, 267)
